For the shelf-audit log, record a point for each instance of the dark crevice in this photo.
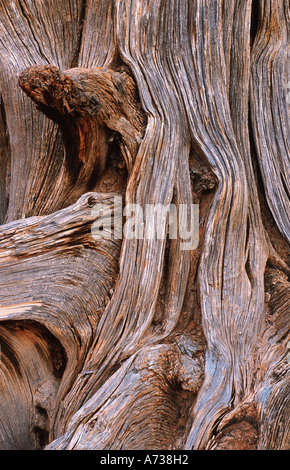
(5, 162)
(247, 232)
(249, 272)
(41, 411)
(41, 437)
(117, 63)
(160, 313)
(203, 180)
(114, 168)
(248, 268)
(254, 20)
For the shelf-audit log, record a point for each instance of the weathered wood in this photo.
(30, 35)
(135, 343)
(268, 92)
(56, 280)
(87, 104)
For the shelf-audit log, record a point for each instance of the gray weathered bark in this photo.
(135, 343)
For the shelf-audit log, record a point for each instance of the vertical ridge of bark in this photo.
(268, 91)
(132, 307)
(155, 346)
(256, 245)
(98, 48)
(228, 375)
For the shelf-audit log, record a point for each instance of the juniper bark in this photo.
(138, 344)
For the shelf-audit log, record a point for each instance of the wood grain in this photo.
(55, 277)
(135, 343)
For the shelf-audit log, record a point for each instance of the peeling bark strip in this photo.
(137, 344)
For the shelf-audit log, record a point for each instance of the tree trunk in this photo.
(123, 341)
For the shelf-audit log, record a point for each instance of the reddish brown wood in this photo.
(133, 343)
